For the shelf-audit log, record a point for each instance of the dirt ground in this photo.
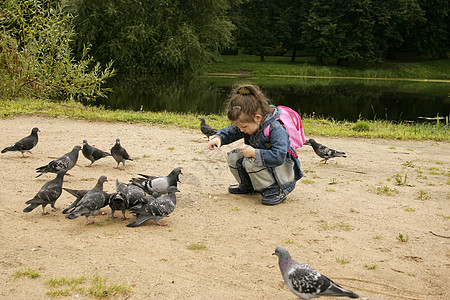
(345, 218)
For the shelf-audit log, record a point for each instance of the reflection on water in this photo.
(339, 99)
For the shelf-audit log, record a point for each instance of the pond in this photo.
(338, 99)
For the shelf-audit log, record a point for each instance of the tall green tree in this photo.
(158, 36)
(257, 33)
(393, 22)
(358, 29)
(35, 55)
(431, 35)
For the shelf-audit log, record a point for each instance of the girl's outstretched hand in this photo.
(215, 142)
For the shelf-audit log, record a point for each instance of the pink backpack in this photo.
(291, 120)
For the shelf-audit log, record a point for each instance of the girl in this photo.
(265, 165)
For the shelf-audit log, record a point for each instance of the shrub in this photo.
(36, 59)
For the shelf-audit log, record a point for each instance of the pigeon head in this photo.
(202, 120)
(85, 142)
(310, 142)
(282, 253)
(35, 130)
(102, 179)
(76, 148)
(172, 190)
(61, 173)
(176, 172)
(117, 141)
(119, 186)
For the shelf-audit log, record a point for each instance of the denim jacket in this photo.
(270, 152)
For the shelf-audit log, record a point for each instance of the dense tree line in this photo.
(157, 36)
(50, 39)
(342, 30)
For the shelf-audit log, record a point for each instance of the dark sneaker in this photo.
(273, 199)
(238, 189)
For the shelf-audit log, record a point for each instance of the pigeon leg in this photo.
(113, 216)
(161, 224)
(88, 222)
(89, 165)
(124, 217)
(43, 211)
(100, 213)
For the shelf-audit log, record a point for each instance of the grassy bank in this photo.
(312, 126)
(306, 66)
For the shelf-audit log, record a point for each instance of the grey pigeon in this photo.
(91, 203)
(155, 208)
(156, 186)
(323, 151)
(206, 129)
(65, 162)
(304, 281)
(25, 144)
(48, 194)
(92, 153)
(126, 196)
(79, 194)
(120, 154)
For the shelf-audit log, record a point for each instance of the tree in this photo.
(361, 30)
(257, 33)
(159, 36)
(431, 35)
(36, 58)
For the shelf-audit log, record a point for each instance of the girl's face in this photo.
(248, 127)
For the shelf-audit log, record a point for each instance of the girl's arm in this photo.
(229, 135)
(276, 155)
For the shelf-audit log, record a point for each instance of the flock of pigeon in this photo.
(153, 197)
(149, 197)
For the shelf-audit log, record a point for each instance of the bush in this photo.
(361, 125)
(36, 59)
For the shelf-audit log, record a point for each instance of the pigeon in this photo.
(304, 281)
(125, 197)
(79, 194)
(206, 129)
(156, 186)
(92, 153)
(91, 203)
(65, 162)
(120, 154)
(155, 208)
(48, 194)
(25, 144)
(323, 151)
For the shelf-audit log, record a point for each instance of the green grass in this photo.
(336, 226)
(342, 260)
(196, 246)
(312, 125)
(97, 287)
(26, 273)
(306, 66)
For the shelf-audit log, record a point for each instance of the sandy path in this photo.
(334, 220)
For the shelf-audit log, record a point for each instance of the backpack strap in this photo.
(266, 134)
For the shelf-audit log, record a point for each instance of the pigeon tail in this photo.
(141, 219)
(72, 216)
(336, 290)
(31, 207)
(11, 148)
